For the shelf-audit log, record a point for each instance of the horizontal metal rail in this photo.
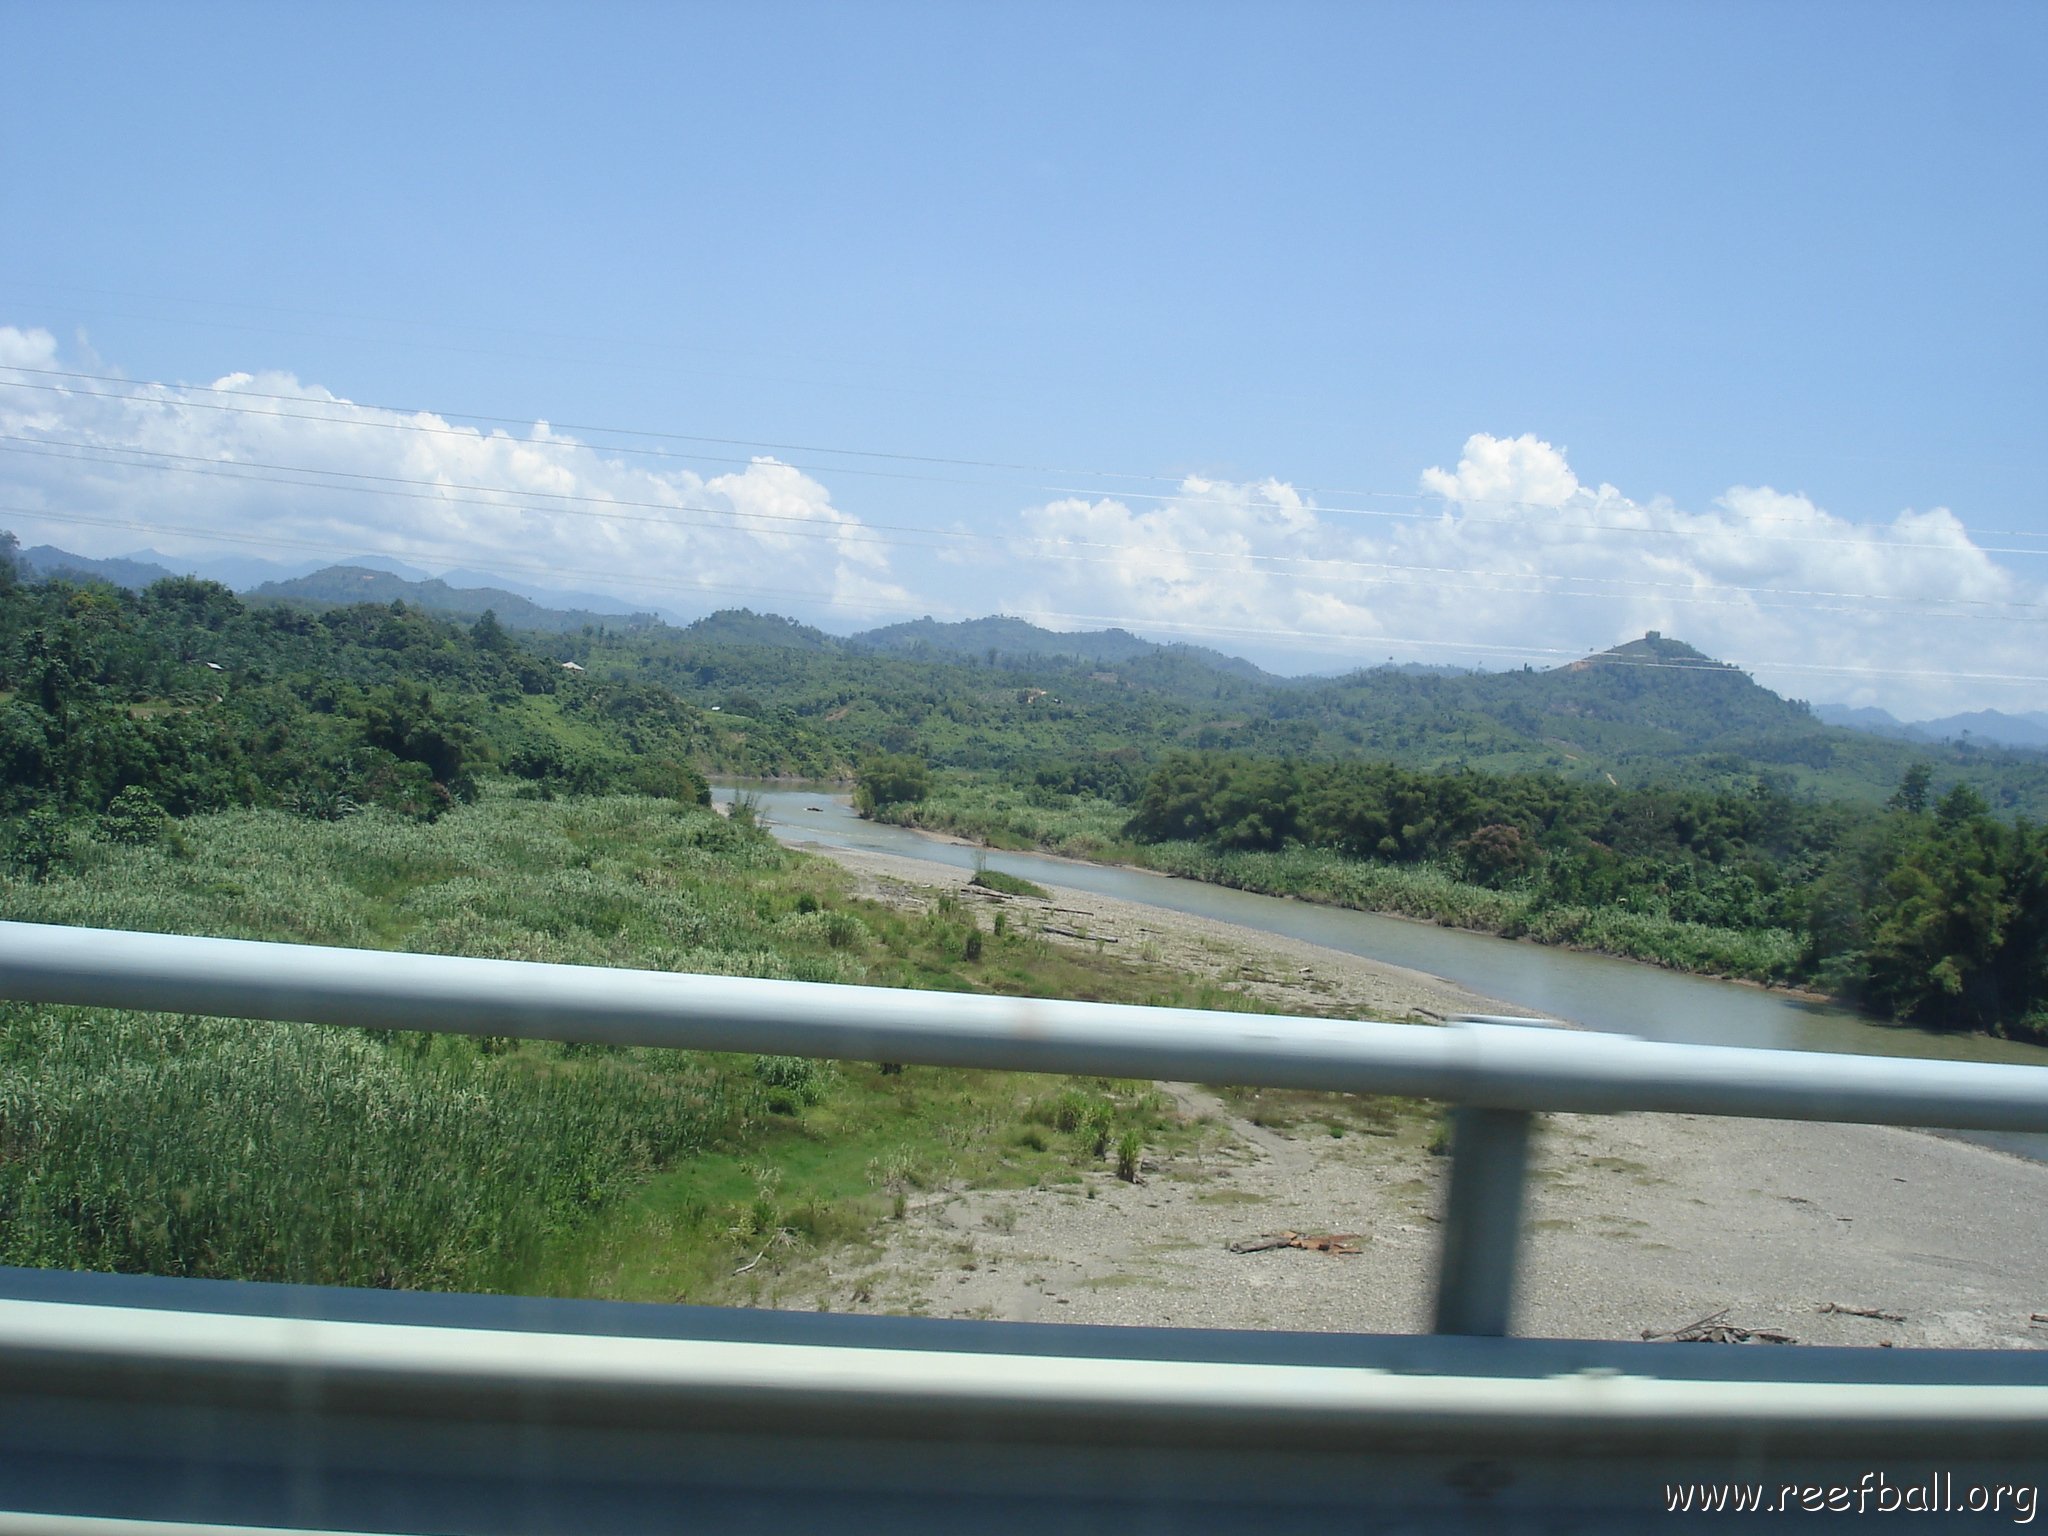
(1500, 1066)
(302, 1406)
(1065, 1394)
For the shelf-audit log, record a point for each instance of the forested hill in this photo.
(1000, 643)
(997, 637)
(1002, 695)
(45, 561)
(344, 585)
(182, 698)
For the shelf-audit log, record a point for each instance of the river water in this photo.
(1594, 991)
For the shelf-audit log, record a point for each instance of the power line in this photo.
(1413, 497)
(1321, 568)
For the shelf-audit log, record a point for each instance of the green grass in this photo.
(831, 1180)
(157, 1143)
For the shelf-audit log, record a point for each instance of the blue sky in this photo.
(1647, 286)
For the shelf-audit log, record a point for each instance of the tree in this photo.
(891, 779)
(1937, 924)
(1912, 791)
(490, 635)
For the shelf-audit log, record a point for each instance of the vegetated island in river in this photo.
(1933, 911)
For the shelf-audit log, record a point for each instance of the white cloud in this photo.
(1507, 556)
(26, 349)
(184, 469)
(1508, 471)
(1510, 556)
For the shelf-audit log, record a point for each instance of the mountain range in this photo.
(1003, 641)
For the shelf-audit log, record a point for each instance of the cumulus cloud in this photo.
(1509, 556)
(1506, 471)
(1506, 556)
(265, 464)
(27, 349)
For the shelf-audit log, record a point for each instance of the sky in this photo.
(1322, 334)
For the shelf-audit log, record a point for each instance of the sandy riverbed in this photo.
(1636, 1222)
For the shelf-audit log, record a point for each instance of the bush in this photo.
(1101, 1127)
(1130, 1150)
(792, 1081)
(666, 779)
(41, 841)
(134, 818)
(1008, 885)
(890, 780)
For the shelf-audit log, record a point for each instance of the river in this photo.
(1593, 991)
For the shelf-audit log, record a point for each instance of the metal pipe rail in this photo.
(142, 1398)
(1496, 1066)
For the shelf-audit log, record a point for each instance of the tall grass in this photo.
(147, 1142)
(208, 1147)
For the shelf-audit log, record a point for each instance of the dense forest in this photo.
(1929, 910)
(132, 706)
(1002, 696)
(1653, 712)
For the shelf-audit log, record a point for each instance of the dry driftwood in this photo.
(1715, 1328)
(1099, 938)
(1882, 1316)
(1317, 1242)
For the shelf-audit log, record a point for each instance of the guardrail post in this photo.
(1475, 1282)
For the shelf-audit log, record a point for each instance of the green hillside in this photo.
(345, 585)
(1000, 639)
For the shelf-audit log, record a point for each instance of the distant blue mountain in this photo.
(347, 585)
(1868, 718)
(2027, 730)
(45, 562)
(1991, 725)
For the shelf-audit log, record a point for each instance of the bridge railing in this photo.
(1497, 1073)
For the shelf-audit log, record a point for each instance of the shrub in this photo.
(889, 780)
(1101, 1127)
(134, 818)
(792, 1080)
(1008, 885)
(1130, 1149)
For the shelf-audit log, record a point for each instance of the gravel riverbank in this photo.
(1636, 1223)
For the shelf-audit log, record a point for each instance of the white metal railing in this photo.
(1496, 1073)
